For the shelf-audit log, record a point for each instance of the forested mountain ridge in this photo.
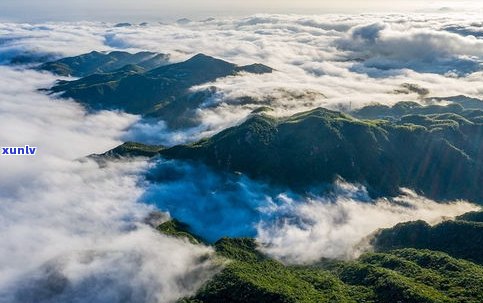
(139, 91)
(438, 155)
(103, 62)
(400, 275)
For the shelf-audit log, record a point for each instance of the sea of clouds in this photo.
(335, 61)
(74, 230)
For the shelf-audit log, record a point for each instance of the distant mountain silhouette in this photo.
(98, 62)
(457, 105)
(148, 92)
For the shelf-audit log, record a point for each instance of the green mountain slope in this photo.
(151, 91)
(462, 238)
(461, 105)
(406, 275)
(439, 155)
(132, 149)
(98, 63)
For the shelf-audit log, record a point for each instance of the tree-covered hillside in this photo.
(99, 63)
(461, 238)
(139, 91)
(403, 275)
(439, 155)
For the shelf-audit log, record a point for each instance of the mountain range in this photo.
(103, 62)
(395, 273)
(137, 91)
(456, 104)
(432, 147)
(437, 154)
(461, 238)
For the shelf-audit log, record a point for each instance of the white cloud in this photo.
(51, 40)
(332, 55)
(399, 46)
(291, 227)
(340, 226)
(79, 223)
(71, 230)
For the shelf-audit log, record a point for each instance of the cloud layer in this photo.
(290, 227)
(333, 61)
(340, 226)
(72, 230)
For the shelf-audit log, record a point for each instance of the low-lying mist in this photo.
(294, 228)
(72, 230)
(340, 226)
(338, 62)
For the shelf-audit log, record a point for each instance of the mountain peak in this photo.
(256, 68)
(202, 58)
(117, 88)
(94, 53)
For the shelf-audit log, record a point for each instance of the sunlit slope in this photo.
(462, 238)
(438, 154)
(402, 275)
